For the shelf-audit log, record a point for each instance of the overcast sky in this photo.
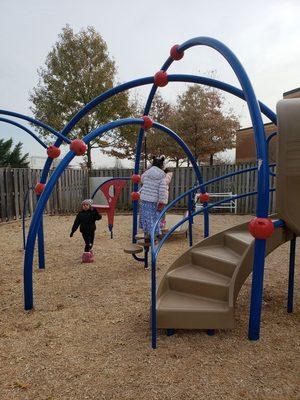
(265, 36)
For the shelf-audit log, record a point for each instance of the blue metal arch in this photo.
(36, 219)
(37, 123)
(254, 110)
(139, 82)
(111, 92)
(24, 128)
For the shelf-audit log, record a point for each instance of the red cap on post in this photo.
(175, 54)
(136, 178)
(204, 197)
(261, 228)
(78, 146)
(161, 78)
(53, 152)
(135, 195)
(39, 187)
(147, 122)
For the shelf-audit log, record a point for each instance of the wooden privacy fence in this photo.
(65, 198)
(72, 187)
(184, 178)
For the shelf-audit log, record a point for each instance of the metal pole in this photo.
(145, 150)
(257, 289)
(153, 304)
(190, 208)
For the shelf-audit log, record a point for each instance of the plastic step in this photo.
(220, 259)
(238, 241)
(199, 281)
(185, 311)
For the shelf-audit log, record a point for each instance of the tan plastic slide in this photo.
(200, 289)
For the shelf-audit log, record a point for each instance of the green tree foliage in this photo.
(77, 69)
(12, 157)
(155, 142)
(203, 124)
(198, 117)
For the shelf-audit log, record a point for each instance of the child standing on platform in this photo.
(154, 196)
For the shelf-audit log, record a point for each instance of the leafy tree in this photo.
(155, 142)
(203, 124)
(12, 157)
(77, 69)
(198, 117)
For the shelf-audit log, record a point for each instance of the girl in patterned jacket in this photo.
(154, 196)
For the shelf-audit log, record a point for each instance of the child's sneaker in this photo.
(87, 257)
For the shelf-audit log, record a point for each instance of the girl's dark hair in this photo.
(158, 162)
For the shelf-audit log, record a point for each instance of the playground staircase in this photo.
(200, 289)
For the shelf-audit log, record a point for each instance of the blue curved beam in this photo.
(254, 110)
(146, 81)
(8, 121)
(36, 218)
(37, 123)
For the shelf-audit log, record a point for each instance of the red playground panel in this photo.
(112, 196)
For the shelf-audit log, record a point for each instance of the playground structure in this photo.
(200, 289)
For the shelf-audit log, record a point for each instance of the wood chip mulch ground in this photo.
(89, 337)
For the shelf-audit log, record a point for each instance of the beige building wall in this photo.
(245, 144)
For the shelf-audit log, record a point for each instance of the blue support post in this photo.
(24, 216)
(146, 260)
(110, 227)
(190, 211)
(206, 220)
(290, 300)
(257, 289)
(153, 304)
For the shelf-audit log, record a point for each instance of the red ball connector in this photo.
(161, 78)
(136, 178)
(53, 152)
(135, 195)
(203, 198)
(147, 122)
(175, 54)
(261, 228)
(39, 187)
(78, 146)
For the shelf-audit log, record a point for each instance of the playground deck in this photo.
(89, 336)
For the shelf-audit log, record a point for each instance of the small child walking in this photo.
(86, 221)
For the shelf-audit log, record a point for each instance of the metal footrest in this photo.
(133, 249)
